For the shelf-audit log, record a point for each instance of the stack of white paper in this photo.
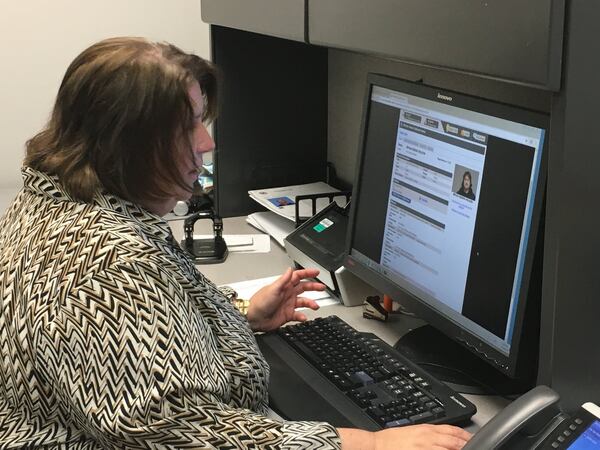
(276, 226)
(282, 200)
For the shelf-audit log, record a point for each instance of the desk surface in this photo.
(240, 266)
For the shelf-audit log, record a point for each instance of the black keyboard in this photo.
(326, 370)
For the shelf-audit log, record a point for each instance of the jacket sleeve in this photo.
(133, 364)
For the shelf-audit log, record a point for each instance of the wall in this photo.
(38, 39)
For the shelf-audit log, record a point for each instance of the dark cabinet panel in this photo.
(281, 18)
(272, 126)
(515, 40)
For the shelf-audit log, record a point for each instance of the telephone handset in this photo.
(535, 421)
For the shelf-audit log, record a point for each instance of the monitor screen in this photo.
(445, 209)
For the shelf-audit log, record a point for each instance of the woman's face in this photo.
(189, 164)
(201, 142)
(466, 182)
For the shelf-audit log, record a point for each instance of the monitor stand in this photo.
(456, 366)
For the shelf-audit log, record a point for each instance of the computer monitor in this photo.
(446, 211)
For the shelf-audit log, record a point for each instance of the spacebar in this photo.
(298, 391)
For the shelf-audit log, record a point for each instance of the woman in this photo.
(465, 188)
(110, 336)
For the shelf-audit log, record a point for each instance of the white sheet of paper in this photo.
(244, 243)
(247, 289)
(272, 224)
(252, 221)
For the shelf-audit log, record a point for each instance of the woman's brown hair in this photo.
(121, 113)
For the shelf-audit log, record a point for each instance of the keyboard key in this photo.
(362, 378)
(370, 394)
(377, 375)
(419, 418)
(438, 412)
(375, 412)
(397, 423)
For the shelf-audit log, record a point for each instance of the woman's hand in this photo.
(430, 437)
(276, 304)
(415, 437)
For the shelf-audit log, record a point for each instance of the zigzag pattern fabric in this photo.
(110, 338)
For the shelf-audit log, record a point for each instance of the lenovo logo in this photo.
(458, 401)
(444, 97)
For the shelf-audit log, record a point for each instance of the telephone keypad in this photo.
(568, 430)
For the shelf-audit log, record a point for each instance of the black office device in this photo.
(206, 250)
(536, 420)
(445, 216)
(326, 370)
(320, 243)
(322, 238)
(211, 250)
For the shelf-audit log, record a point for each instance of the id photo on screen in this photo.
(465, 182)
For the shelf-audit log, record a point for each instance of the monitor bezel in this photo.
(509, 364)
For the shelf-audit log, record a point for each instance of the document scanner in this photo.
(320, 243)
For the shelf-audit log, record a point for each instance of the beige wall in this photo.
(39, 38)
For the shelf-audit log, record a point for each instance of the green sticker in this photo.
(318, 228)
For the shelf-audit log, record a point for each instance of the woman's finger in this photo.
(310, 286)
(454, 431)
(284, 279)
(304, 273)
(299, 317)
(303, 302)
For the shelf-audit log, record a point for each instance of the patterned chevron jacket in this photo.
(110, 338)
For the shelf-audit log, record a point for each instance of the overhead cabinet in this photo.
(515, 40)
(281, 18)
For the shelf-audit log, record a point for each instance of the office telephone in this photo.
(535, 421)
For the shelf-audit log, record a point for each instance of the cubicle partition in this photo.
(294, 79)
(272, 127)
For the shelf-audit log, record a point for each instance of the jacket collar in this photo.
(49, 186)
